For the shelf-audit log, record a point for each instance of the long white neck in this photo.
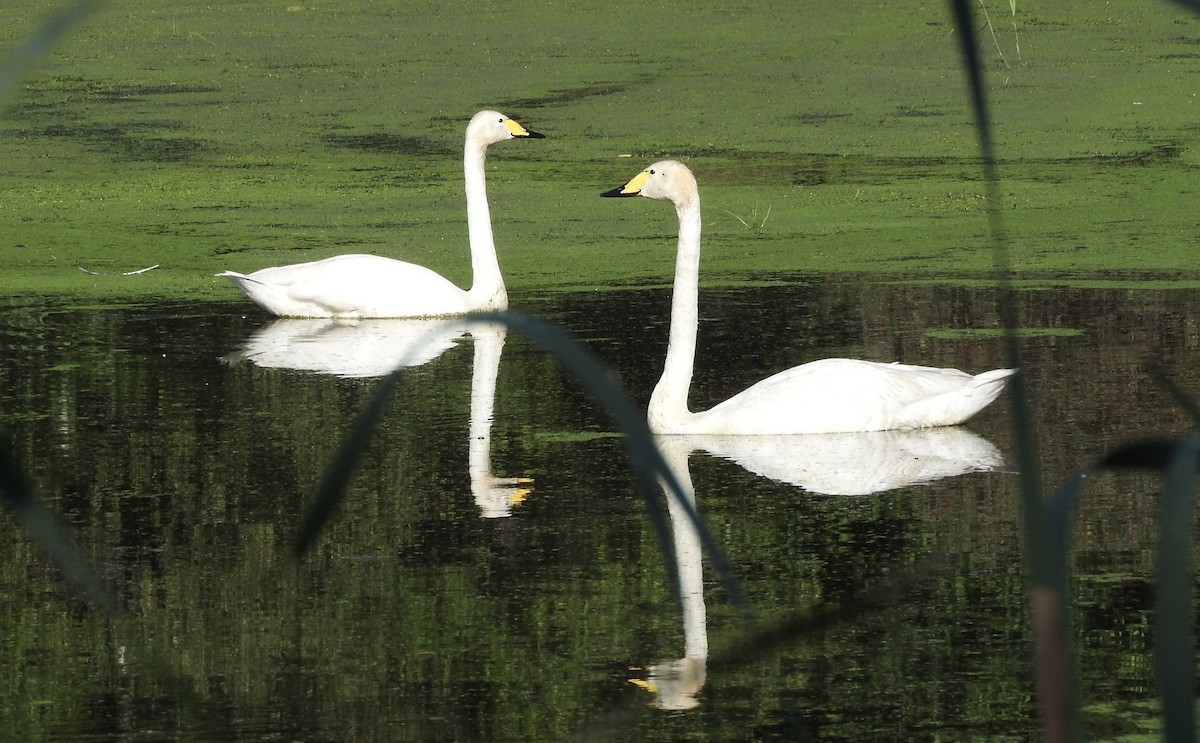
(487, 285)
(668, 411)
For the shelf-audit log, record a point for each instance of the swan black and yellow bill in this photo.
(633, 188)
(519, 131)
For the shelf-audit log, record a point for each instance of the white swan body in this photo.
(370, 286)
(828, 396)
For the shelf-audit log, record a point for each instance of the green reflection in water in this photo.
(183, 479)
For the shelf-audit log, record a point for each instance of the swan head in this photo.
(490, 127)
(666, 180)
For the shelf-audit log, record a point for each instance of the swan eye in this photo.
(651, 172)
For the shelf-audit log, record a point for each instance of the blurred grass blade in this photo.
(332, 489)
(1043, 565)
(1059, 509)
(1038, 557)
(1153, 454)
(29, 52)
(649, 466)
(1184, 400)
(1174, 648)
(964, 24)
(17, 497)
(1173, 594)
(157, 659)
(1192, 5)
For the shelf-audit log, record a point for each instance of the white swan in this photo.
(360, 286)
(828, 396)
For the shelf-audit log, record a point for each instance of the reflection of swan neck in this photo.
(495, 496)
(688, 553)
(691, 585)
(489, 344)
(677, 683)
(487, 285)
(668, 409)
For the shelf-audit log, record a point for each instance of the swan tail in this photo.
(272, 298)
(237, 278)
(957, 406)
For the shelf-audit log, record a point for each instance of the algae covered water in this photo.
(491, 575)
(204, 138)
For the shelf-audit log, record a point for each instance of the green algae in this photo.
(200, 138)
(958, 333)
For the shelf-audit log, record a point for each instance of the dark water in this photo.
(496, 578)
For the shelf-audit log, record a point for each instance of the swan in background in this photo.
(358, 285)
(372, 348)
(827, 396)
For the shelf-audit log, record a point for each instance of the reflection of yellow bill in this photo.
(519, 495)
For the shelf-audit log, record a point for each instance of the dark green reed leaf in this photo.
(1039, 554)
(1153, 454)
(1192, 5)
(1184, 400)
(159, 660)
(1044, 564)
(1179, 460)
(27, 54)
(649, 467)
(1173, 593)
(964, 24)
(332, 489)
(16, 495)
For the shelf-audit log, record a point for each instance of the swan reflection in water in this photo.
(372, 348)
(676, 684)
(854, 463)
(832, 464)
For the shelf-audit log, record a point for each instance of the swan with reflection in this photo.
(359, 285)
(827, 396)
(372, 348)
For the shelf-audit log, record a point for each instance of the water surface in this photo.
(492, 574)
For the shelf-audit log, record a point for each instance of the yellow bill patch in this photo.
(516, 129)
(636, 183)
